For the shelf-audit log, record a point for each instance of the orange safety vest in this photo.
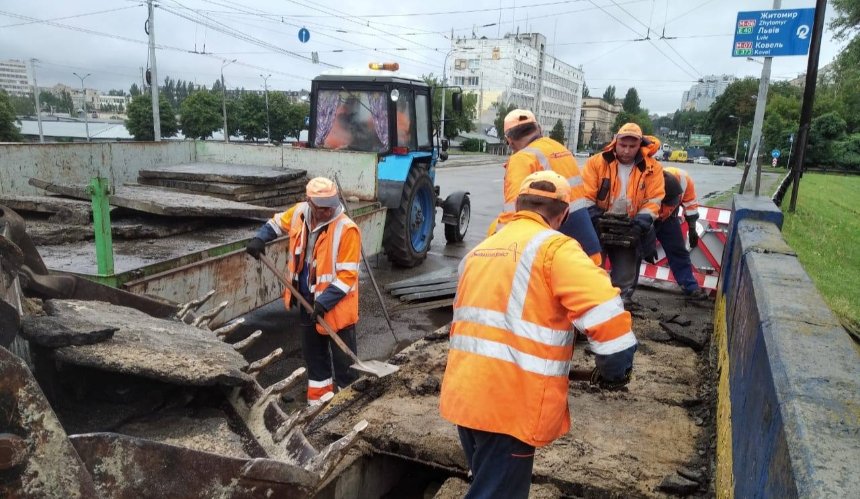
(542, 154)
(688, 198)
(520, 293)
(335, 260)
(645, 189)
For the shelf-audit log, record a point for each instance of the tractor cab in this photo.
(383, 112)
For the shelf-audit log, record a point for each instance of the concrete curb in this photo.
(793, 374)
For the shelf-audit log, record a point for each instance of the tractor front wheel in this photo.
(409, 227)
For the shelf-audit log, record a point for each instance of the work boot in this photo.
(697, 294)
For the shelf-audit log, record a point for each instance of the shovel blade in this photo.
(375, 368)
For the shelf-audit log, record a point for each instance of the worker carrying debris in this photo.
(506, 381)
(680, 191)
(322, 264)
(532, 153)
(623, 188)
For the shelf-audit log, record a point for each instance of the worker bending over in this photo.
(533, 153)
(322, 264)
(623, 188)
(521, 292)
(680, 192)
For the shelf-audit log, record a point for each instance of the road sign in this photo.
(773, 33)
(305, 35)
(774, 162)
(775, 153)
(698, 140)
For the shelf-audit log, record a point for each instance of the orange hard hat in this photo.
(322, 192)
(629, 130)
(562, 188)
(518, 117)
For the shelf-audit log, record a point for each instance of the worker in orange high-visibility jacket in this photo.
(520, 294)
(533, 152)
(680, 192)
(322, 264)
(624, 180)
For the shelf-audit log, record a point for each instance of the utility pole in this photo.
(36, 97)
(84, 103)
(266, 87)
(153, 75)
(738, 139)
(808, 98)
(760, 105)
(445, 87)
(224, 99)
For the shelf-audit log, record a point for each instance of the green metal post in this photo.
(99, 189)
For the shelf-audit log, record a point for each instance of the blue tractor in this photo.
(391, 115)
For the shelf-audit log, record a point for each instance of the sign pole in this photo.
(808, 98)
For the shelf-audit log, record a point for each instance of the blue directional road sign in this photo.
(773, 33)
(305, 35)
(775, 153)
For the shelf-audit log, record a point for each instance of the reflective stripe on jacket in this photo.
(688, 187)
(335, 260)
(645, 189)
(519, 294)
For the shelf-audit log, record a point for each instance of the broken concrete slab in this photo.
(63, 210)
(222, 172)
(690, 336)
(236, 192)
(164, 202)
(676, 484)
(165, 350)
(53, 332)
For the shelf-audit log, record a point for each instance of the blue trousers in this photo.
(501, 464)
(672, 239)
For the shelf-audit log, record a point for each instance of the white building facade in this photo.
(14, 78)
(702, 95)
(518, 70)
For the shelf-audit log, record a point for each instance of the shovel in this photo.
(372, 367)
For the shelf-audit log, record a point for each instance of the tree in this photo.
(455, 123)
(134, 91)
(823, 133)
(847, 19)
(557, 133)
(252, 117)
(8, 131)
(200, 115)
(631, 101)
(139, 122)
(609, 94)
(23, 105)
(585, 91)
(502, 110)
(640, 119)
(737, 100)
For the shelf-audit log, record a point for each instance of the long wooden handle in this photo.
(331, 332)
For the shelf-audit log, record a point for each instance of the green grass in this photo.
(825, 233)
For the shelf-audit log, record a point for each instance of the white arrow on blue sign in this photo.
(775, 153)
(304, 35)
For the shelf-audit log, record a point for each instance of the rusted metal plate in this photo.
(146, 346)
(52, 468)
(127, 467)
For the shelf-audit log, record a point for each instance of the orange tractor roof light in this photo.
(384, 66)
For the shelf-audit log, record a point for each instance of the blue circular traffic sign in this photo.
(775, 153)
(304, 35)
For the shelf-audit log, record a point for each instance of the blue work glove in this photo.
(641, 225)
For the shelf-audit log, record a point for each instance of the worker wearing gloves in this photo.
(680, 191)
(532, 153)
(324, 251)
(521, 292)
(623, 189)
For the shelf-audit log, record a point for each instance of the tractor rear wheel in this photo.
(409, 227)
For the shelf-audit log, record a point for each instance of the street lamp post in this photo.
(84, 103)
(266, 87)
(224, 99)
(738, 139)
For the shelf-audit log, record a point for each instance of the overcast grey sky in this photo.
(107, 38)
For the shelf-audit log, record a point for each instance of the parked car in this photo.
(702, 160)
(726, 161)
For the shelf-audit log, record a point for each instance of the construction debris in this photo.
(160, 201)
(56, 332)
(428, 291)
(258, 185)
(62, 210)
(142, 345)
